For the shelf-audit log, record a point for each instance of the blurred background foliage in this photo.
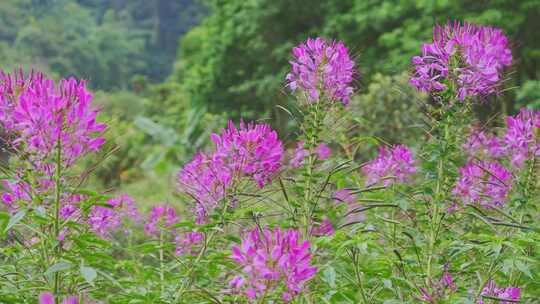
(167, 73)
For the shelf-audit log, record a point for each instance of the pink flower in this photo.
(323, 228)
(45, 116)
(483, 183)
(160, 217)
(321, 70)
(48, 298)
(104, 220)
(301, 153)
(272, 260)
(251, 152)
(187, 243)
(395, 165)
(520, 140)
(470, 56)
(352, 215)
(508, 293)
(480, 144)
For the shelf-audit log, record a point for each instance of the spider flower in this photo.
(321, 69)
(48, 118)
(394, 165)
(104, 220)
(511, 294)
(469, 57)
(160, 217)
(481, 144)
(483, 183)
(520, 138)
(48, 298)
(301, 153)
(272, 261)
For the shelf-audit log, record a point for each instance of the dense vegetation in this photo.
(214, 153)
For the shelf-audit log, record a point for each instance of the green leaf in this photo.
(15, 219)
(329, 276)
(524, 268)
(60, 266)
(89, 274)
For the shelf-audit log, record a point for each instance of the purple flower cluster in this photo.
(251, 151)
(520, 138)
(511, 294)
(345, 196)
(187, 243)
(161, 216)
(440, 289)
(272, 261)
(479, 144)
(394, 165)
(322, 70)
(104, 220)
(301, 153)
(45, 117)
(467, 56)
(48, 298)
(323, 228)
(483, 183)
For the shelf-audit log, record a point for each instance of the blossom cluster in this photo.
(468, 57)
(322, 152)
(160, 217)
(251, 151)
(48, 298)
(105, 219)
(48, 118)
(483, 183)
(392, 165)
(440, 288)
(272, 261)
(322, 70)
(511, 294)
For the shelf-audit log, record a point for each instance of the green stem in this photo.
(58, 183)
(161, 264)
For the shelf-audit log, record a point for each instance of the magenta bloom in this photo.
(469, 56)
(394, 165)
(321, 70)
(301, 153)
(323, 228)
(513, 294)
(344, 196)
(188, 243)
(48, 298)
(481, 144)
(483, 183)
(252, 150)
(104, 220)
(160, 217)
(520, 140)
(272, 261)
(44, 116)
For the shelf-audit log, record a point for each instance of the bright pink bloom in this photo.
(45, 116)
(394, 165)
(301, 153)
(188, 242)
(321, 69)
(483, 183)
(104, 220)
(251, 152)
(520, 139)
(323, 228)
(481, 144)
(272, 260)
(48, 298)
(470, 56)
(160, 217)
(509, 293)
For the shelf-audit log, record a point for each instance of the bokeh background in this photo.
(167, 73)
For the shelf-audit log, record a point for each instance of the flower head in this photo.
(520, 138)
(46, 117)
(48, 298)
(469, 56)
(483, 183)
(512, 294)
(272, 261)
(322, 69)
(481, 144)
(394, 165)
(160, 217)
(301, 153)
(104, 220)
